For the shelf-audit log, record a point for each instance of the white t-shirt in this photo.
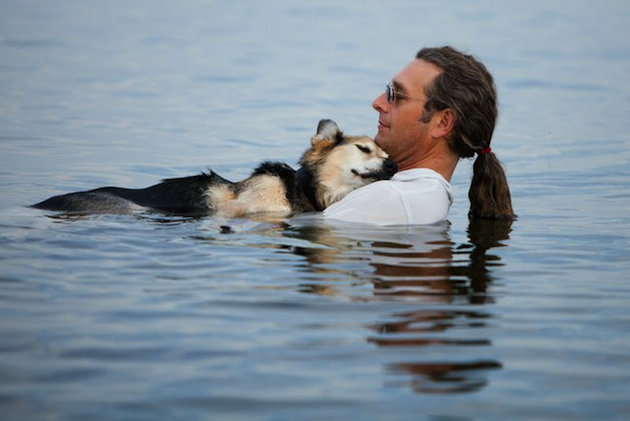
(412, 197)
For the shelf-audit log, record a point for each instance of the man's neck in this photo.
(442, 163)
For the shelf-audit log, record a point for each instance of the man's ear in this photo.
(444, 123)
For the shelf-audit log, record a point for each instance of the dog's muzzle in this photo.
(388, 169)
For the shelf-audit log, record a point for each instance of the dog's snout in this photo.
(390, 166)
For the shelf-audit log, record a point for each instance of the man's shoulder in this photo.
(368, 196)
(376, 203)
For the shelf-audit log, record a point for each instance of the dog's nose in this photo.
(390, 167)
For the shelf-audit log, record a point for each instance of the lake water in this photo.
(149, 317)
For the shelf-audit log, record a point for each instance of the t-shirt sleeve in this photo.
(377, 203)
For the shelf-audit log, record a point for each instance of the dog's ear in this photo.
(328, 134)
(327, 129)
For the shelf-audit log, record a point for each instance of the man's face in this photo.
(401, 133)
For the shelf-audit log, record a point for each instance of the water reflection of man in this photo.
(437, 277)
(444, 287)
(439, 108)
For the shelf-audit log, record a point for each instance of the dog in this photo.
(332, 167)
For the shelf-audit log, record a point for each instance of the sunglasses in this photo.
(392, 95)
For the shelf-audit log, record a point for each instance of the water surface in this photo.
(150, 317)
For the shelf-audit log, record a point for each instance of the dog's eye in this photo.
(364, 149)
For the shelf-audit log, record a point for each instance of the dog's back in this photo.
(184, 196)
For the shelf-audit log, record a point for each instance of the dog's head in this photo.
(341, 163)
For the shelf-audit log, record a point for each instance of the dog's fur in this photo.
(332, 167)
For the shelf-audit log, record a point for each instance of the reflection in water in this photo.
(446, 284)
(446, 377)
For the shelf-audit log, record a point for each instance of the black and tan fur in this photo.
(332, 167)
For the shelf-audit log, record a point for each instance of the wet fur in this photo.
(334, 165)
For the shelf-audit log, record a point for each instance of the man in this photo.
(439, 108)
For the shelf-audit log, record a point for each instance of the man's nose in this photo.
(380, 103)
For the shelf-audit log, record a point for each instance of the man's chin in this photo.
(380, 140)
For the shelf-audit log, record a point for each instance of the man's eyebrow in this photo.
(398, 87)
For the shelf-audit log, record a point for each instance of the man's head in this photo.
(443, 104)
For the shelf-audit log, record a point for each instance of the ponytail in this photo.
(489, 193)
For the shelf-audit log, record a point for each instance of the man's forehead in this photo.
(415, 76)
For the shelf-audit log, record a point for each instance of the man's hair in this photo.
(467, 88)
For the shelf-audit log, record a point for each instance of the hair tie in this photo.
(484, 151)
